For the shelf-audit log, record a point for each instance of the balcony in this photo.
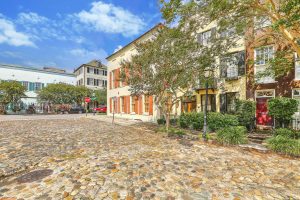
(212, 84)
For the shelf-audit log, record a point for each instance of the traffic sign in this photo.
(87, 99)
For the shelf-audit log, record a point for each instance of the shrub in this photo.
(284, 145)
(245, 111)
(286, 133)
(282, 109)
(232, 135)
(175, 132)
(173, 122)
(191, 120)
(217, 121)
(161, 121)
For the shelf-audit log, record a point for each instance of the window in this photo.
(297, 67)
(205, 37)
(228, 102)
(96, 82)
(88, 70)
(233, 65)
(134, 105)
(37, 86)
(262, 22)
(26, 85)
(296, 96)
(96, 71)
(211, 103)
(146, 103)
(262, 56)
(104, 73)
(90, 81)
(123, 104)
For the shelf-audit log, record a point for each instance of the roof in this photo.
(90, 64)
(10, 66)
(156, 26)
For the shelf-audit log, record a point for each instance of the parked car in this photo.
(101, 109)
(77, 110)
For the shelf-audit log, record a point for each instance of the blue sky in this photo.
(68, 33)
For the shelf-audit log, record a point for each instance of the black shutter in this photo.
(213, 33)
(241, 63)
(223, 68)
(213, 102)
(222, 103)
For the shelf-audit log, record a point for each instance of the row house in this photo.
(120, 101)
(230, 78)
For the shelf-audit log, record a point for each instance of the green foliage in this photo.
(11, 92)
(284, 145)
(232, 135)
(237, 16)
(245, 112)
(282, 109)
(215, 120)
(191, 120)
(218, 121)
(61, 93)
(287, 133)
(101, 96)
(173, 122)
(161, 121)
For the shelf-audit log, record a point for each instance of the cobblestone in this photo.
(96, 160)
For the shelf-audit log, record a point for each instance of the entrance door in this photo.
(262, 117)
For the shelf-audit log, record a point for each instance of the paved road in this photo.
(40, 117)
(79, 158)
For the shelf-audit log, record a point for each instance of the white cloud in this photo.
(109, 18)
(9, 34)
(85, 55)
(118, 48)
(32, 18)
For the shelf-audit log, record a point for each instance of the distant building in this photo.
(93, 75)
(34, 79)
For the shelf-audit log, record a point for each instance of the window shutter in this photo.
(223, 68)
(31, 86)
(213, 33)
(222, 103)
(118, 105)
(150, 105)
(200, 38)
(241, 63)
(213, 103)
(110, 105)
(140, 111)
(110, 81)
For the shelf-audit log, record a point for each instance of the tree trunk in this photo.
(167, 121)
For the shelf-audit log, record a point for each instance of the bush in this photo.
(284, 145)
(232, 135)
(191, 120)
(161, 121)
(282, 109)
(245, 111)
(173, 122)
(285, 132)
(217, 121)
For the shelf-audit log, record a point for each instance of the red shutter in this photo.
(150, 105)
(110, 105)
(140, 105)
(128, 104)
(118, 77)
(110, 80)
(118, 105)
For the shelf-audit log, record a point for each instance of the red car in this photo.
(101, 109)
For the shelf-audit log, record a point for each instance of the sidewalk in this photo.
(108, 119)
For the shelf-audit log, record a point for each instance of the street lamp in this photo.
(207, 75)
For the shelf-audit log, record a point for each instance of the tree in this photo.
(62, 93)
(282, 109)
(241, 16)
(11, 92)
(101, 96)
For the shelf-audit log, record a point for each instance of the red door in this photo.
(262, 117)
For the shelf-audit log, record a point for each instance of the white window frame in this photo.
(269, 79)
(267, 90)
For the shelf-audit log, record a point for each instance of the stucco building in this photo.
(34, 79)
(119, 99)
(92, 75)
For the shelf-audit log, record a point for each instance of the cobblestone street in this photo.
(78, 158)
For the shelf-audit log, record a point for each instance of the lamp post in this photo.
(207, 75)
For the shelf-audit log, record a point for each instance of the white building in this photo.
(92, 75)
(34, 79)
